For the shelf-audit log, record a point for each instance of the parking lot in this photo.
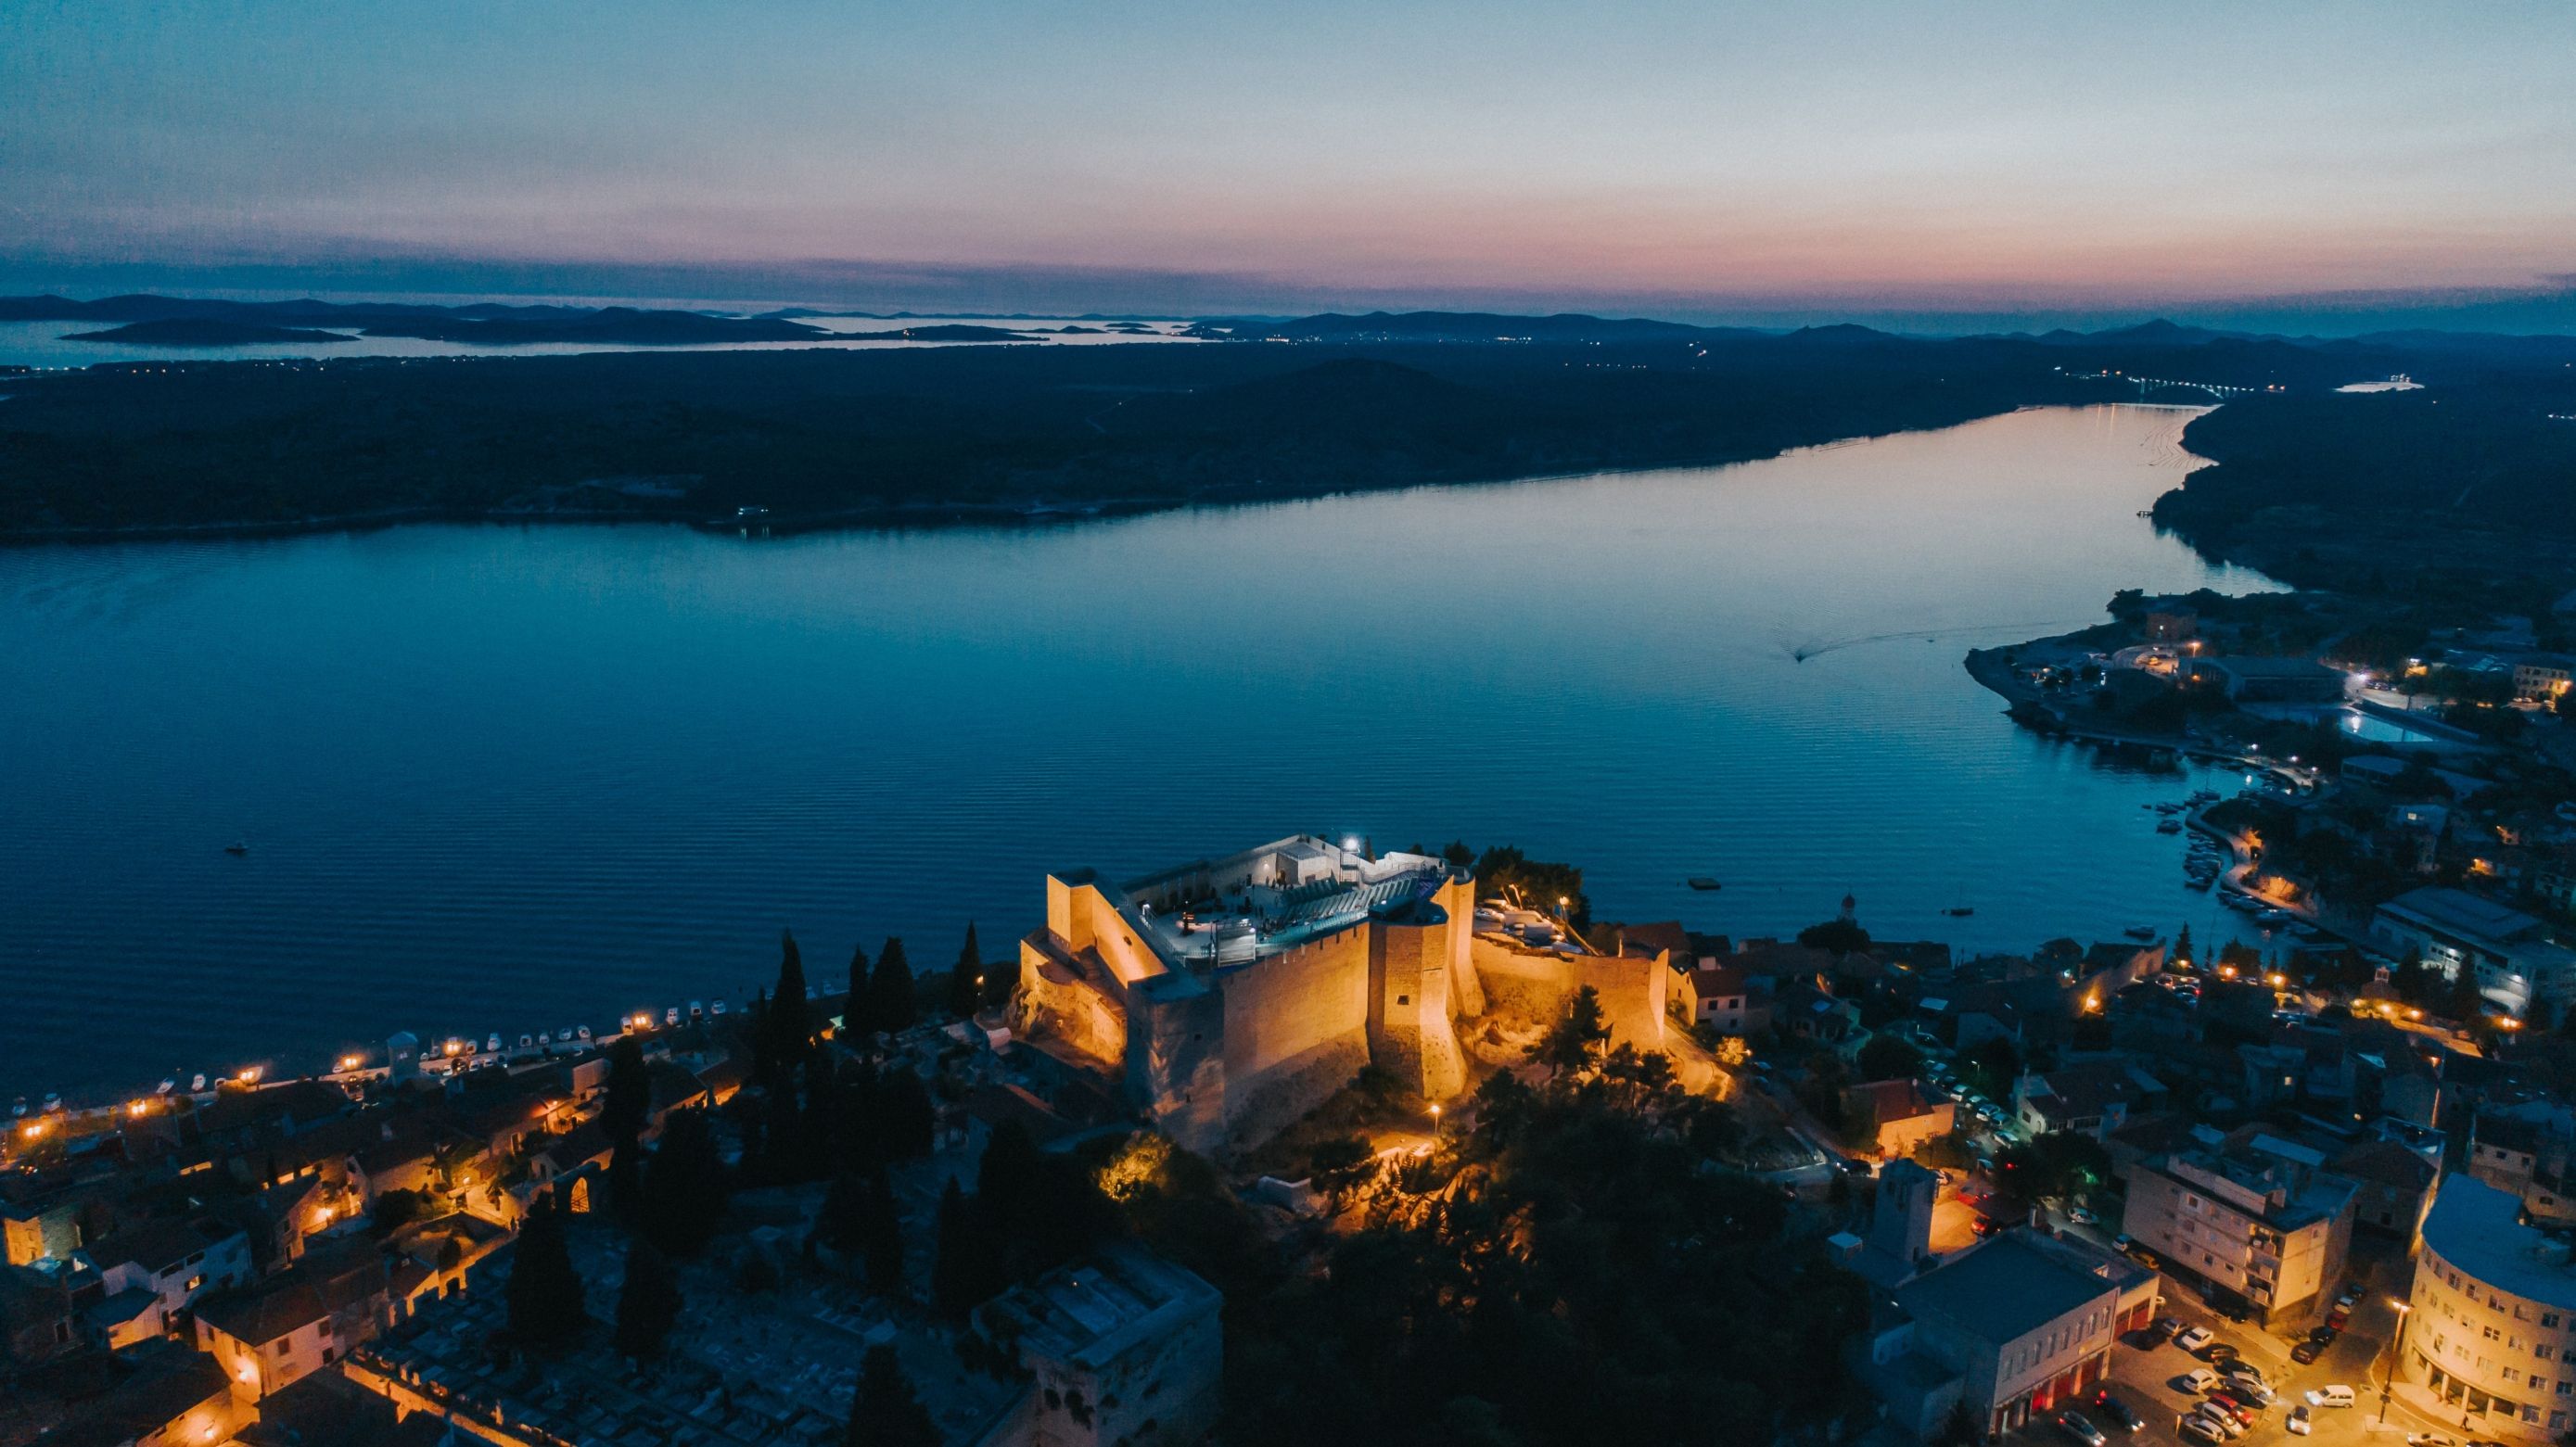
(2147, 1380)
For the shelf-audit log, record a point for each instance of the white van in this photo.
(2334, 1396)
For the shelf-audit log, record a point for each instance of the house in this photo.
(2093, 1098)
(294, 1324)
(1718, 996)
(2266, 680)
(152, 1272)
(1902, 1116)
(1122, 1347)
(2542, 677)
(2397, 1185)
(2008, 1329)
(2256, 1218)
(2513, 963)
(171, 1398)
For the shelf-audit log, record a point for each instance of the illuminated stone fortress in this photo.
(1230, 996)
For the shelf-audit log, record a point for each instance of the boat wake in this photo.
(1803, 652)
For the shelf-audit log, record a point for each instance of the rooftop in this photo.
(2478, 1230)
(2460, 912)
(2002, 1290)
(1242, 907)
(1095, 1311)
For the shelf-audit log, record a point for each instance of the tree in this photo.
(1570, 1045)
(963, 1271)
(1887, 1058)
(1959, 1429)
(1458, 854)
(854, 1008)
(1992, 1065)
(2057, 1166)
(907, 1119)
(648, 1303)
(544, 1291)
(1732, 1051)
(891, 1005)
(2182, 945)
(684, 1186)
(1840, 936)
(1337, 1165)
(2461, 999)
(885, 1413)
(784, 1034)
(394, 1210)
(881, 1235)
(966, 977)
(629, 1091)
(1504, 872)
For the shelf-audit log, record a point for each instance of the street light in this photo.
(2396, 1346)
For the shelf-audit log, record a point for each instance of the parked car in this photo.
(2218, 1354)
(2122, 1242)
(2192, 1339)
(2074, 1424)
(2298, 1423)
(2431, 1439)
(2334, 1395)
(2339, 1317)
(2157, 1333)
(2228, 1427)
(2350, 1294)
(2082, 1217)
(2307, 1351)
(2198, 1379)
(2253, 1390)
(2235, 1406)
(2120, 1413)
(2202, 1430)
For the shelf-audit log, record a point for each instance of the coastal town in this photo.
(2317, 1186)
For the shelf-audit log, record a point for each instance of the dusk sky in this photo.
(2341, 165)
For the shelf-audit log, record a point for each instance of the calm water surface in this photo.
(497, 778)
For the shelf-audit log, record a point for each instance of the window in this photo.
(2549, 1319)
(2544, 1352)
(2492, 1333)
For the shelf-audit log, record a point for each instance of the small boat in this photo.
(1702, 883)
(1960, 911)
(237, 849)
(2169, 826)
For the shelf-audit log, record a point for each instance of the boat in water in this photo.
(1702, 883)
(1960, 911)
(237, 848)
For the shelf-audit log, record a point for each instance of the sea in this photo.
(504, 778)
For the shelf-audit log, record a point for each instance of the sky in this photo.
(2299, 166)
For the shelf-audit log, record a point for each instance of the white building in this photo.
(2259, 1218)
(2492, 1324)
(154, 1271)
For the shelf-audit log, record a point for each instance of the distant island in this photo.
(2308, 481)
(204, 332)
(952, 332)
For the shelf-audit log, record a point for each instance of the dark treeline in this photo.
(822, 436)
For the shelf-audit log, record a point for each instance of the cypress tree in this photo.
(885, 1413)
(907, 1119)
(881, 1234)
(966, 977)
(544, 1291)
(648, 1304)
(962, 1262)
(791, 1025)
(684, 1186)
(855, 1017)
(629, 1102)
(890, 1000)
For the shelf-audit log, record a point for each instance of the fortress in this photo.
(1230, 996)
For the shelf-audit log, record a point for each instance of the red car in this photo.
(2243, 1411)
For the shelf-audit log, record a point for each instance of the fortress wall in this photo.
(1176, 1063)
(1632, 994)
(1082, 917)
(1409, 1031)
(1295, 1029)
(1538, 984)
(1073, 1012)
(1457, 898)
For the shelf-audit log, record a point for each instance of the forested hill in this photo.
(2471, 483)
(821, 436)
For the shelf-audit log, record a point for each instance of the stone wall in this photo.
(1537, 984)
